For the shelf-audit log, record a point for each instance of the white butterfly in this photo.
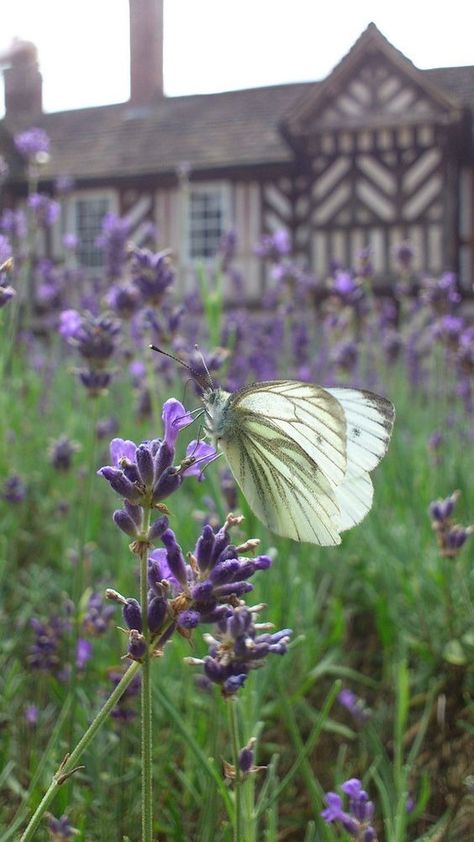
(302, 454)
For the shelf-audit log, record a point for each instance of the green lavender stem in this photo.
(234, 734)
(146, 743)
(68, 765)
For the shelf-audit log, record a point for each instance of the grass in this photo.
(384, 614)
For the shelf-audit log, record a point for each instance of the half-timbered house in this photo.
(378, 152)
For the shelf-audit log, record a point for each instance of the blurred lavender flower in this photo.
(98, 615)
(6, 250)
(124, 299)
(450, 536)
(124, 710)
(31, 714)
(106, 427)
(14, 489)
(33, 144)
(70, 242)
(60, 830)
(13, 223)
(274, 247)
(113, 242)
(61, 452)
(45, 652)
(6, 294)
(404, 253)
(95, 338)
(227, 249)
(45, 210)
(64, 184)
(354, 704)
(83, 653)
(152, 274)
(357, 821)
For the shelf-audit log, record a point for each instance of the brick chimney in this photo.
(23, 81)
(146, 51)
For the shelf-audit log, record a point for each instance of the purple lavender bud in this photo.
(135, 512)
(136, 645)
(221, 542)
(174, 556)
(145, 465)
(157, 609)
(229, 552)
(233, 684)
(125, 522)
(435, 511)
(157, 528)
(246, 760)
(213, 670)
(189, 619)
(239, 623)
(203, 591)
(205, 547)
(234, 589)
(132, 614)
(164, 458)
(369, 835)
(456, 537)
(120, 483)
(224, 572)
(169, 481)
(263, 562)
(83, 652)
(95, 381)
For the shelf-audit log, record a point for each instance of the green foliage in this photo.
(384, 614)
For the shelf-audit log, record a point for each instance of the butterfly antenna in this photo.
(209, 378)
(176, 359)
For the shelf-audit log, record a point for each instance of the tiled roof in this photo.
(208, 132)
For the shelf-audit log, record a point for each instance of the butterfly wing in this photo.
(369, 424)
(285, 445)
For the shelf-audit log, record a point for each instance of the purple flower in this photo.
(32, 143)
(45, 209)
(83, 653)
(6, 294)
(274, 246)
(98, 616)
(175, 418)
(14, 489)
(355, 705)
(13, 223)
(61, 453)
(31, 714)
(113, 242)
(151, 273)
(404, 254)
(61, 830)
(70, 322)
(70, 242)
(124, 710)
(357, 820)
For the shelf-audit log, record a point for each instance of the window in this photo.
(208, 219)
(89, 213)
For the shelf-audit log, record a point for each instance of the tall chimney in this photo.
(146, 51)
(23, 81)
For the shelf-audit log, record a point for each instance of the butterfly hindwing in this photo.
(282, 485)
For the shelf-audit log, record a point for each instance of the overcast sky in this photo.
(214, 45)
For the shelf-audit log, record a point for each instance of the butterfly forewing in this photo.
(304, 413)
(369, 419)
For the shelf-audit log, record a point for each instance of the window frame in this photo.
(222, 190)
(72, 216)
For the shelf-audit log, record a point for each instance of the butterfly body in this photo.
(301, 453)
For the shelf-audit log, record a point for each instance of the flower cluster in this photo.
(113, 241)
(450, 536)
(45, 209)
(61, 830)
(151, 273)
(237, 647)
(355, 705)
(357, 820)
(33, 144)
(61, 452)
(95, 338)
(144, 475)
